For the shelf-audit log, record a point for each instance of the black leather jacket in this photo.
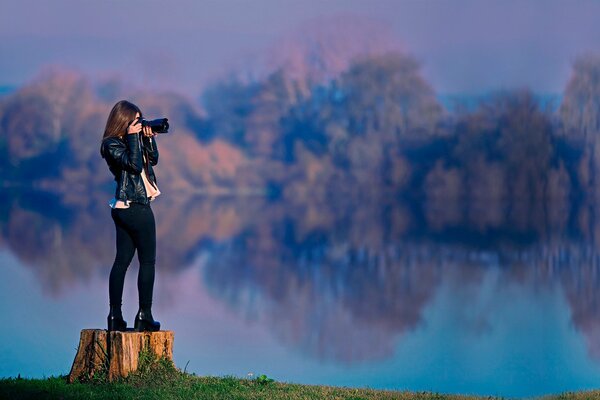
(124, 159)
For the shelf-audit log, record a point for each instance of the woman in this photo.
(130, 152)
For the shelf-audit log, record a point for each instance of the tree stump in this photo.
(116, 353)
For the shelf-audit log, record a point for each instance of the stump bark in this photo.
(116, 353)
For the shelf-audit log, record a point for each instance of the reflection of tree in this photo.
(66, 243)
(580, 278)
(341, 283)
(320, 294)
(340, 288)
(348, 303)
(61, 244)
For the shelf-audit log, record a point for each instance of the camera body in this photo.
(159, 125)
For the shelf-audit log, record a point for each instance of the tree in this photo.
(580, 116)
(386, 95)
(580, 108)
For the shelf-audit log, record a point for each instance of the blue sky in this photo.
(465, 46)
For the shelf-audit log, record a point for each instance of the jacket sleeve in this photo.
(151, 149)
(126, 156)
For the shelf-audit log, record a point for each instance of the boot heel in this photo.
(140, 326)
(145, 323)
(146, 326)
(116, 324)
(115, 321)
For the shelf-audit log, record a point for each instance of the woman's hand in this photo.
(134, 128)
(148, 132)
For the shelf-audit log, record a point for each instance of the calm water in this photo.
(381, 296)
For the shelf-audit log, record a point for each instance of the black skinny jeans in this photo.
(136, 229)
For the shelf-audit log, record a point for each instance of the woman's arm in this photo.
(126, 155)
(151, 149)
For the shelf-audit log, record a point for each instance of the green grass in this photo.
(186, 386)
(158, 378)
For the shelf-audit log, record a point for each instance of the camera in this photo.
(159, 125)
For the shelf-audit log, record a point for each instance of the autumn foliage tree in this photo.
(580, 115)
(357, 122)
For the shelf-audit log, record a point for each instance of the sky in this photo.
(464, 46)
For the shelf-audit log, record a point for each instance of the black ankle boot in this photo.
(115, 319)
(145, 322)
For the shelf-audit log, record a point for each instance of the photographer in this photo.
(131, 153)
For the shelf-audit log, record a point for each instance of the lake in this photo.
(387, 295)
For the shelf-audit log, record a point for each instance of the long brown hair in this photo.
(119, 119)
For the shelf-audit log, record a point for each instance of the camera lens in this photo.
(160, 125)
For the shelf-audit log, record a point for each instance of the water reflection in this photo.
(341, 285)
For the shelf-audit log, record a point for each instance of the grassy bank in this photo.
(192, 387)
(159, 379)
(226, 388)
(195, 387)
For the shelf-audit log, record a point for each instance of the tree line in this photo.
(377, 129)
